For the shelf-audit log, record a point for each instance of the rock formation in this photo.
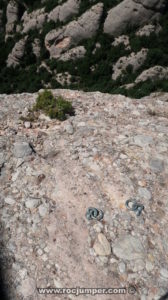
(74, 53)
(148, 29)
(153, 73)
(17, 53)
(58, 41)
(130, 13)
(134, 59)
(104, 39)
(12, 17)
(122, 39)
(64, 11)
(34, 20)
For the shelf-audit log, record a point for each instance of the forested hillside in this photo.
(97, 60)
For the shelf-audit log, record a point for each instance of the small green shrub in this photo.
(44, 100)
(54, 107)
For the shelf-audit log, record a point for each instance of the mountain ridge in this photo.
(35, 39)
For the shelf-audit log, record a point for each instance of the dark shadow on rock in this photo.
(3, 292)
(4, 289)
(164, 297)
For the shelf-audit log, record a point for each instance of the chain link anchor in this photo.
(94, 214)
(136, 207)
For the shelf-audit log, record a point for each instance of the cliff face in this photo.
(83, 42)
(113, 149)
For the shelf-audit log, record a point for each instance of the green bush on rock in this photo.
(54, 107)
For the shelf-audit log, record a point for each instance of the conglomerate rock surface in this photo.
(113, 149)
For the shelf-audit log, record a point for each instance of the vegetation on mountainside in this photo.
(94, 71)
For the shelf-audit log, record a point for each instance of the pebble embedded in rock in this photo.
(142, 140)
(27, 287)
(149, 266)
(98, 227)
(156, 165)
(143, 297)
(128, 247)
(22, 273)
(122, 267)
(138, 265)
(69, 129)
(39, 252)
(144, 193)
(102, 246)
(164, 273)
(10, 201)
(27, 125)
(22, 149)
(32, 203)
(42, 210)
(81, 124)
(113, 260)
(103, 259)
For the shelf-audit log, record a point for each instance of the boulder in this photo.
(131, 13)
(17, 53)
(59, 41)
(136, 60)
(74, 53)
(65, 11)
(153, 73)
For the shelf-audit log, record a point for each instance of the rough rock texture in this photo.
(134, 59)
(34, 20)
(36, 47)
(148, 29)
(58, 41)
(130, 13)
(114, 148)
(154, 73)
(17, 53)
(64, 11)
(12, 16)
(74, 53)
